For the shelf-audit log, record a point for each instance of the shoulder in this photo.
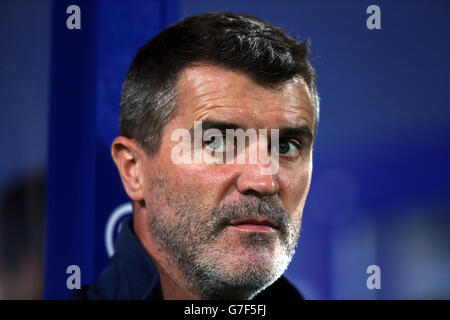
(281, 289)
(86, 292)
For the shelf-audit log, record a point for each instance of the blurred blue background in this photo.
(380, 189)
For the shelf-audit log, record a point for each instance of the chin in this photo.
(240, 275)
(256, 257)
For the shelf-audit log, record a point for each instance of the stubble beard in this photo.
(191, 238)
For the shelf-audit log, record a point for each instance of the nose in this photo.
(255, 178)
(252, 182)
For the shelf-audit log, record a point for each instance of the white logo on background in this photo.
(114, 224)
(74, 280)
(374, 281)
(374, 20)
(74, 20)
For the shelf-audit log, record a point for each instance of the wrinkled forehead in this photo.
(205, 91)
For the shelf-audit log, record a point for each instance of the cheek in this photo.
(209, 183)
(294, 187)
(204, 185)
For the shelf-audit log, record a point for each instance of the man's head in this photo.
(218, 230)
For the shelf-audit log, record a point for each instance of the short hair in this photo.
(237, 42)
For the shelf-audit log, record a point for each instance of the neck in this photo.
(173, 285)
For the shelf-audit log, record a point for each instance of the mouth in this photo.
(254, 225)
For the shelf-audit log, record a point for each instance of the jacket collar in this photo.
(136, 275)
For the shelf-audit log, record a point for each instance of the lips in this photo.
(254, 224)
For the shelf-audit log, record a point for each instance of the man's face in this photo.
(230, 230)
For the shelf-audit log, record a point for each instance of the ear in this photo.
(128, 157)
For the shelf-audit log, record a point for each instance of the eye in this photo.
(288, 147)
(216, 143)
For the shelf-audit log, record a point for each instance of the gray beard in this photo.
(189, 239)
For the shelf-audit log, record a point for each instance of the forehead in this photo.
(210, 92)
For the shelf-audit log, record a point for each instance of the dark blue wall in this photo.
(88, 68)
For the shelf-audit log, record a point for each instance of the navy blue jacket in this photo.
(131, 274)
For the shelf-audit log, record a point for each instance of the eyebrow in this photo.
(213, 124)
(301, 131)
